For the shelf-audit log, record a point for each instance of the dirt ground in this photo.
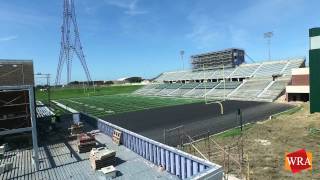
(264, 146)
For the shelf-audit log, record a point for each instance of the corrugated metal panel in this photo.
(190, 165)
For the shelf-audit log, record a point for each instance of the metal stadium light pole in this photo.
(181, 55)
(268, 36)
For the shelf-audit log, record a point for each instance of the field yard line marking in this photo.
(132, 104)
(166, 97)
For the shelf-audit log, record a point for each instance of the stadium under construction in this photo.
(203, 101)
(138, 131)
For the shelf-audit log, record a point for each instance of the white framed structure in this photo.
(18, 115)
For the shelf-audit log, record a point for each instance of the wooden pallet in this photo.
(116, 137)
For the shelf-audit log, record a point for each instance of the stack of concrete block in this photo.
(86, 142)
(102, 157)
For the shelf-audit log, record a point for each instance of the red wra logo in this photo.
(298, 161)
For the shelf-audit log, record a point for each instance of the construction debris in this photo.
(76, 129)
(109, 172)
(86, 142)
(6, 167)
(102, 157)
(2, 151)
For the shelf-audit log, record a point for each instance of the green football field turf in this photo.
(71, 92)
(113, 104)
(106, 100)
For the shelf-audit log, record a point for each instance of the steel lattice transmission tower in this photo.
(70, 43)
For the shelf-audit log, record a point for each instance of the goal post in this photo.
(208, 101)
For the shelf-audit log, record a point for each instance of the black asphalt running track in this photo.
(196, 118)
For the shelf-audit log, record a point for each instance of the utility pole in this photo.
(70, 43)
(268, 36)
(181, 55)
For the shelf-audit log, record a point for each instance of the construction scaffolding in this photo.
(213, 60)
(17, 115)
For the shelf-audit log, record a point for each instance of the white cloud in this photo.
(130, 6)
(206, 32)
(8, 38)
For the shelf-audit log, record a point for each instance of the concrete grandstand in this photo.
(263, 81)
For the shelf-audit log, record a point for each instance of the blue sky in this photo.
(124, 38)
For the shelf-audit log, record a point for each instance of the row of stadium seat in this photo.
(258, 83)
(259, 70)
(188, 89)
(251, 89)
(263, 89)
(274, 90)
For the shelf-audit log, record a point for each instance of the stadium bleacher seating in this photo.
(274, 90)
(146, 89)
(190, 85)
(228, 85)
(222, 90)
(245, 70)
(251, 89)
(269, 69)
(263, 81)
(291, 64)
(208, 85)
(196, 93)
(219, 73)
(184, 89)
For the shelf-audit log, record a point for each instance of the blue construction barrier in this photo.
(179, 163)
